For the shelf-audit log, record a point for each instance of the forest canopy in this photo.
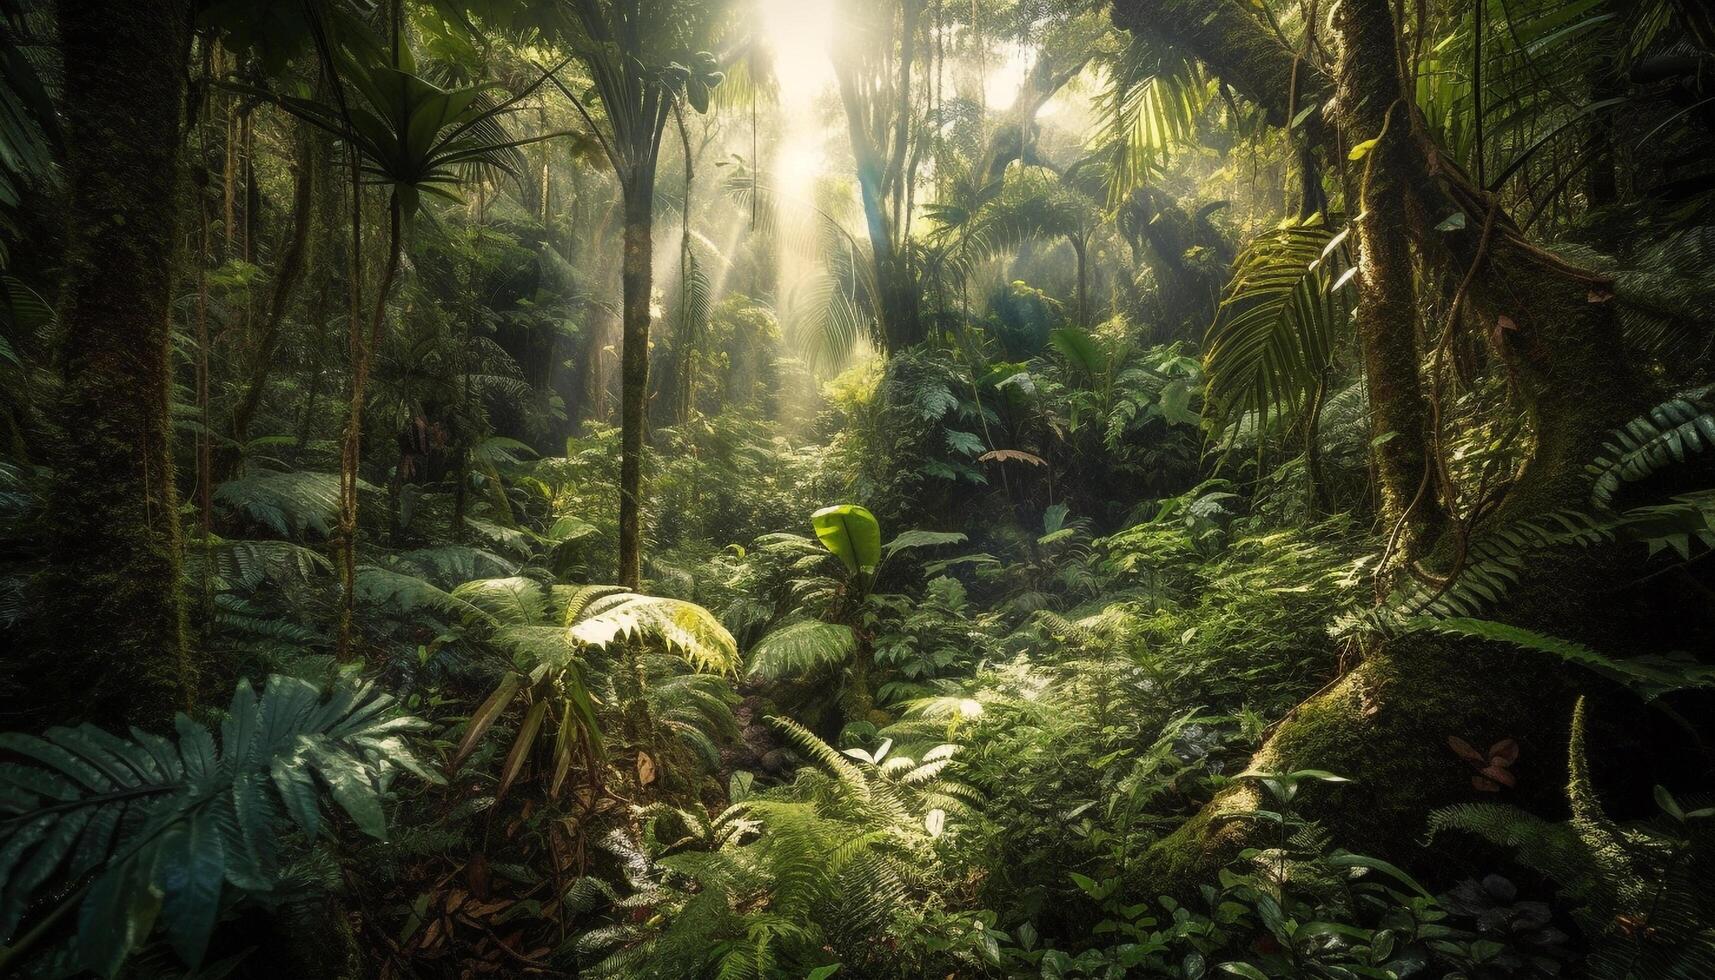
(857, 488)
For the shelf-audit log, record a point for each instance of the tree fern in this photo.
(137, 830)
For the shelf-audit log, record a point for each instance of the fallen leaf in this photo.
(476, 875)
(1017, 455)
(1465, 750)
(1504, 752)
(1500, 774)
(645, 769)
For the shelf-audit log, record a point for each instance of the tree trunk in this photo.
(1371, 105)
(113, 604)
(637, 279)
(1386, 723)
(266, 349)
(1079, 249)
(878, 121)
(364, 350)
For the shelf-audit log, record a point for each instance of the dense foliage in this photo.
(861, 488)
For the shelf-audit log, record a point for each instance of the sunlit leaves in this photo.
(1279, 324)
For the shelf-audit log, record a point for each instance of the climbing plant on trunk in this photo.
(414, 138)
(1548, 325)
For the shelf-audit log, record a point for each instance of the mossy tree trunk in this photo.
(1386, 723)
(1386, 317)
(637, 285)
(113, 608)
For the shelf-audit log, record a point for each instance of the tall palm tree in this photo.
(414, 138)
(646, 59)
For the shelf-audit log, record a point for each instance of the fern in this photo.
(128, 829)
(1669, 433)
(449, 564)
(1649, 677)
(1499, 557)
(1495, 563)
(515, 601)
(697, 709)
(403, 593)
(684, 627)
(783, 881)
(804, 648)
(289, 504)
(1638, 891)
(245, 565)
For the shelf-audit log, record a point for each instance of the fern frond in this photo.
(515, 601)
(802, 649)
(1667, 434)
(289, 504)
(1649, 677)
(685, 627)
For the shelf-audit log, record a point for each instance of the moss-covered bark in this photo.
(112, 605)
(1371, 106)
(1386, 723)
(637, 277)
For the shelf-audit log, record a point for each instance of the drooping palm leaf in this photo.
(1278, 326)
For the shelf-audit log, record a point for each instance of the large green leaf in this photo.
(1080, 349)
(128, 831)
(854, 536)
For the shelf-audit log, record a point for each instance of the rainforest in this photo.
(890, 489)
